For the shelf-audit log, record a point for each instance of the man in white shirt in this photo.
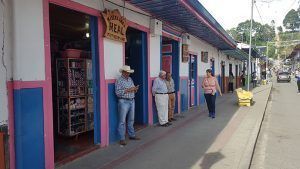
(160, 92)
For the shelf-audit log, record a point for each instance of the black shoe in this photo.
(122, 143)
(164, 125)
(169, 124)
(173, 119)
(134, 138)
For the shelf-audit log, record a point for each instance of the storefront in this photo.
(63, 94)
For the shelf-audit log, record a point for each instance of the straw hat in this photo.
(126, 69)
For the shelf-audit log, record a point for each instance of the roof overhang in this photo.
(190, 16)
(254, 52)
(236, 53)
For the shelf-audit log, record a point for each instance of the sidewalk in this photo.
(194, 141)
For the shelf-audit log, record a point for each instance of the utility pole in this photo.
(250, 48)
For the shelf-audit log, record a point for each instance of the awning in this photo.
(190, 16)
(236, 53)
(254, 52)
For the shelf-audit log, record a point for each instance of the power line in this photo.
(259, 13)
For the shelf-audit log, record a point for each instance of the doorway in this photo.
(237, 76)
(193, 80)
(170, 62)
(136, 58)
(223, 77)
(75, 83)
(212, 66)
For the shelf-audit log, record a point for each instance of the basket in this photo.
(245, 98)
(71, 53)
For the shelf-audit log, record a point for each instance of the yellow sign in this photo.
(116, 25)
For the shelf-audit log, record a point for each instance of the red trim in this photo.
(201, 19)
(76, 6)
(109, 81)
(168, 35)
(28, 84)
(11, 125)
(47, 92)
(138, 26)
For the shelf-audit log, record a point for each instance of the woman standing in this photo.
(210, 85)
(231, 79)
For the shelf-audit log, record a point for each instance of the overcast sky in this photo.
(229, 13)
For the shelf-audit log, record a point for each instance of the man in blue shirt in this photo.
(160, 92)
(125, 91)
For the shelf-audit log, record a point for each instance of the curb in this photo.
(247, 156)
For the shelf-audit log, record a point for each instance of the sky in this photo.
(229, 13)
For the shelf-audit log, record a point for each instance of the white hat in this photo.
(126, 69)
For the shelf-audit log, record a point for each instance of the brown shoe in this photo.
(134, 138)
(123, 143)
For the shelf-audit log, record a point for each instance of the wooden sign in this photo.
(116, 25)
(204, 57)
(185, 53)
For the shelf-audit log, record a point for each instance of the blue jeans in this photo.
(211, 102)
(126, 107)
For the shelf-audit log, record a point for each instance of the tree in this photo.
(279, 28)
(261, 33)
(292, 20)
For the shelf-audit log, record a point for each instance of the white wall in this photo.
(197, 46)
(155, 56)
(113, 58)
(6, 63)
(29, 58)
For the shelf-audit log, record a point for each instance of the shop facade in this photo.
(49, 51)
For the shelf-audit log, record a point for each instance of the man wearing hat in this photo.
(125, 91)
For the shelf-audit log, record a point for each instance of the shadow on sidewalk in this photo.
(178, 147)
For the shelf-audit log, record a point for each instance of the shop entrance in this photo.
(75, 82)
(193, 80)
(223, 85)
(136, 58)
(212, 67)
(236, 76)
(170, 62)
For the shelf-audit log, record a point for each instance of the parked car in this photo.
(283, 76)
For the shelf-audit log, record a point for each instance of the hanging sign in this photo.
(116, 25)
(204, 57)
(185, 53)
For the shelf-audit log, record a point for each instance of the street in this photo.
(193, 142)
(278, 143)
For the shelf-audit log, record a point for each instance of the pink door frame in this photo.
(48, 113)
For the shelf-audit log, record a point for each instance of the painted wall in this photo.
(113, 58)
(155, 56)
(5, 57)
(28, 40)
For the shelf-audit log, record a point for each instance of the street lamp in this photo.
(250, 48)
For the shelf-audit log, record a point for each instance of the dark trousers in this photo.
(254, 83)
(298, 83)
(243, 81)
(211, 102)
(230, 87)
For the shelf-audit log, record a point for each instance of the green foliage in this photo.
(292, 20)
(260, 34)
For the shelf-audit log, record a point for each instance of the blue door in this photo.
(193, 80)
(136, 58)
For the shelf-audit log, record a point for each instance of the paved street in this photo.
(279, 140)
(193, 142)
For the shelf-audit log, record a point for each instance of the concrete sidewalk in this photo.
(194, 141)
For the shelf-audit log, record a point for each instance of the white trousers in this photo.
(161, 101)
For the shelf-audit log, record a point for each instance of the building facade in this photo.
(47, 42)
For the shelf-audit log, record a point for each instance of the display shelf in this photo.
(74, 96)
